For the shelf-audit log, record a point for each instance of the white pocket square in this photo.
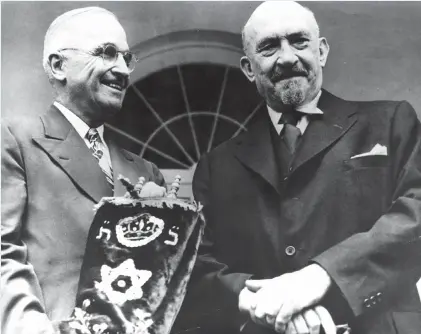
(376, 150)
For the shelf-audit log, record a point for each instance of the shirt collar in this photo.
(308, 108)
(80, 126)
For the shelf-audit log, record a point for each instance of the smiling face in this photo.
(92, 89)
(284, 54)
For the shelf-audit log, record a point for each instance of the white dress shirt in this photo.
(308, 108)
(82, 129)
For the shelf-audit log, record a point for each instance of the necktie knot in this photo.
(96, 143)
(290, 117)
(93, 136)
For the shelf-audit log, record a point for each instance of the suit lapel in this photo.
(338, 118)
(124, 165)
(64, 145)
(255, 150)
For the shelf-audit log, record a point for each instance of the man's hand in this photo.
(245, 300)
(151, 189)
(278, 299)
(310, 322)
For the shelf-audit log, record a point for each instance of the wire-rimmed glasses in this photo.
(109, 55)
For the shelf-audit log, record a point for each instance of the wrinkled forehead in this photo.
(87, 31)
(280, 20)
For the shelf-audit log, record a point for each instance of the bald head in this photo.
(74, 29)
(288, 12)
(284, 54)
(85, 58)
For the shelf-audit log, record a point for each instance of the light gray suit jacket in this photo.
(50, 183)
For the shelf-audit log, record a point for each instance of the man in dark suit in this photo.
(56, 167)
(320, 201)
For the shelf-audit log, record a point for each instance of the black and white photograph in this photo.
(210, 167)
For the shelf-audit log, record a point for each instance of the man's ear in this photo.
(245, 65)
(323, 50)
(57, 67)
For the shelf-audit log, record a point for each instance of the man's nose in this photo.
(121, 66)
(286, 55)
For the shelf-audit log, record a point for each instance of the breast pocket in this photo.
(372, 161)
(368, 185)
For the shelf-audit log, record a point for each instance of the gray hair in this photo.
(53, 40)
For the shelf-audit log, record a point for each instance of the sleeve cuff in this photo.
(337, 305)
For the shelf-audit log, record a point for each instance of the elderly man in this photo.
(320, 201)
(57, 166)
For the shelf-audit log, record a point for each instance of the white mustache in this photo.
(287, 75)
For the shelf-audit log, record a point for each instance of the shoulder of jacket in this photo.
(379, 108)
(23, 126)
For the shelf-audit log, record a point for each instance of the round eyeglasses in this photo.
(109, 55)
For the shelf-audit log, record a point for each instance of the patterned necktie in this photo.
(97, 148)
(290, 133)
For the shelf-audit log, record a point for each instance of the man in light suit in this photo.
(320, 201)
(56, 167)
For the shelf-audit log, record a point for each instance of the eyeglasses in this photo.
(109, 55)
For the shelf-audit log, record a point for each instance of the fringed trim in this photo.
(150, 202)
(83, 322)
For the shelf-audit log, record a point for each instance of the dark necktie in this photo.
(97, 148)
(290, 133)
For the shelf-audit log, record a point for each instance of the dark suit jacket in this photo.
(360, 219)
(50, 183)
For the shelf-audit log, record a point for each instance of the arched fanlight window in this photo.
(188, 95)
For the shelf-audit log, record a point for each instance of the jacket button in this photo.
(285, 178)
(290, 250)
(367, 303)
